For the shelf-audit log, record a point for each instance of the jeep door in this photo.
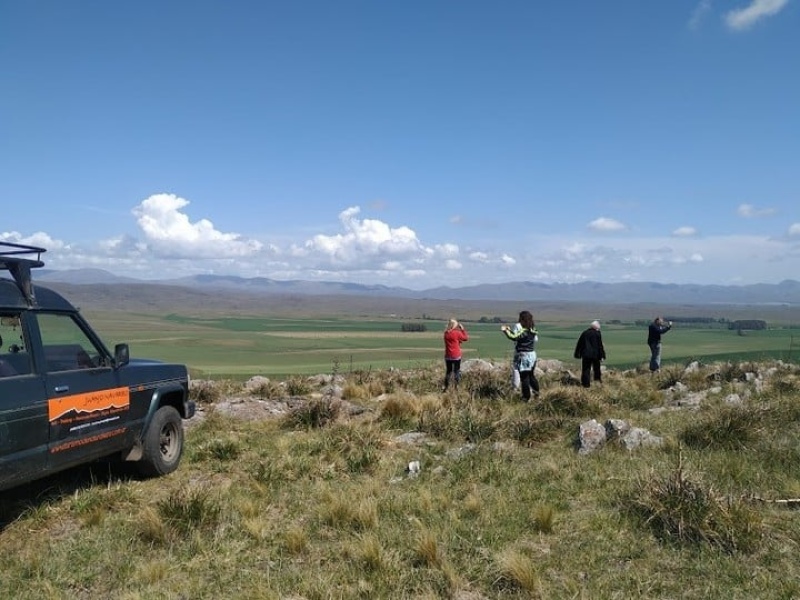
(24, 428)
(87, 407)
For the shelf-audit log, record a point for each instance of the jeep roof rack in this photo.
(17, 260)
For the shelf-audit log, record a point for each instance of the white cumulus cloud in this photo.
(365, 241)
(479, 257)
(743, 18)
(700, 11)
(685, 231)
(447, 250)
(605, 224)
(39, 239)
(794, 229)
(748, 211)
(170, 233)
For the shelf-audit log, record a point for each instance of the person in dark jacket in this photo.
(525, 338)
(654, 332)
(591, 351)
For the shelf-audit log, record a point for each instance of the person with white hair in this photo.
(454, 335)
(591, 351)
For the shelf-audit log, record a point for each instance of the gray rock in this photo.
(412, 437)
(256, 382)
(734, 399)
(549, 365)
(637, 437)
(591, 437)
(477, 364)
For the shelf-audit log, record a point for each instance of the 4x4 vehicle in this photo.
(65, 399)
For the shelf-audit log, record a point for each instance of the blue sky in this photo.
(415, 143)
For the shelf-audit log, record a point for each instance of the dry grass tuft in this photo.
(401, 409)
(313, 414)
(340, 512)
(516, 570)
(680, 510)
(427, 551)
(295, 539)
(544, 517)
(728, 427)
(189, 509)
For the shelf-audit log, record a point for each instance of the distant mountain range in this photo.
(784, 293)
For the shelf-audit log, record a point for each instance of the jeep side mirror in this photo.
(122, 355)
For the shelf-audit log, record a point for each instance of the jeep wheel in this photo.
(162, 444)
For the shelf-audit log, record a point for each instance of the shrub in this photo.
(728, 427)
(475, 426)
(205, 392)
(313, 414)
(399, 410)
(427, 551)
(359, 447)
(486, 384)
(543, 518)
(730, 372)
(566, 401)
(516, 571)
(667, 377)
(297, 386)
(787, 384)
(685, 512)
(219, 449)
(532, 430)
(189, 509)
(355, 391)
(267, 391)
(279, 470)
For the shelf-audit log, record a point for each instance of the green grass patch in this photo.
(321, 504)
(240, 346)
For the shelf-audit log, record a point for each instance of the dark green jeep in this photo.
(64, 398)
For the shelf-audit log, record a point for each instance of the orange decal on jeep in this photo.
(90, 404)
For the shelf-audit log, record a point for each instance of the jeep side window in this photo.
(66, 346)
(14, 356)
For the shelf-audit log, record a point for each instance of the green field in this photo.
(238, 347)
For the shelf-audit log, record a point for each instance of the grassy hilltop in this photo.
(295, 489)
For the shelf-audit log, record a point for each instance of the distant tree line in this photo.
(709, 322)
(753, 324)
(413, 327)
(491, 320)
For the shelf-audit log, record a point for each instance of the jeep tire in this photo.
(162, 443)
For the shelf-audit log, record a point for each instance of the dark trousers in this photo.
(655, 356)
(453, 367)
(589, 365)
(528, 382)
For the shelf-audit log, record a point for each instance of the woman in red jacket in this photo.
(454, 335)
